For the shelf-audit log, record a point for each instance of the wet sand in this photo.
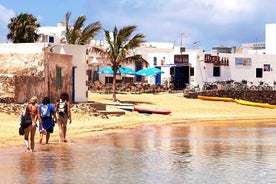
(192, 112)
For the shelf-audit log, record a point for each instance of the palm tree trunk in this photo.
(114, 87)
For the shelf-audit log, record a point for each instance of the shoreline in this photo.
(191, 112)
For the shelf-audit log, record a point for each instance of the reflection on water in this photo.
(152, 154)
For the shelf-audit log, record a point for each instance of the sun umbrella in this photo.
(127, 70)
(149, 71)
(123, 70)
(106, 70)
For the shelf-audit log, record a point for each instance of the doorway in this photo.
(181, 77)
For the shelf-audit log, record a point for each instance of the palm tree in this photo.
(76, 34)
(119, 44)
(22, 29)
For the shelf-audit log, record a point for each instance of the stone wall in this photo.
(7, 88)
(7, 85)
(250, 95)
(28, 86)
(23, 75)
(22, 64)
(19, 74)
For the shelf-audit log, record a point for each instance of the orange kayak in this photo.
(215, 98)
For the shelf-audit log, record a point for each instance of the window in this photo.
(216, 71)
(51, 39)
(259, 72)
(154, 61)
(108, 80)
(58, 77)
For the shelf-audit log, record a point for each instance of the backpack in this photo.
(62, 107)
(45, 111)
(26, 120)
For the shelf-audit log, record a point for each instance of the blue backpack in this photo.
(45, 111)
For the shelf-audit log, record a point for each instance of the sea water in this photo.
(173, 153)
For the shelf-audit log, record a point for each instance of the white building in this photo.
(270, 38)
(52, 37)
(79, 68)
(254, 62)
(52, 34)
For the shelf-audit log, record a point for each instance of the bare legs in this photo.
(62, 132)
(47, 138)
(30, 144)
(41, 138)
(33, 130)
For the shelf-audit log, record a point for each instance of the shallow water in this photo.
(174, 153)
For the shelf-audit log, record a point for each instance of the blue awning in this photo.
(175, 65)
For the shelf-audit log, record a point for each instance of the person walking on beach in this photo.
(63, 115)
(46, 118)
(30, 115)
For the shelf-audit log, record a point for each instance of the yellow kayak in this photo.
(215, 98)
(255, 104)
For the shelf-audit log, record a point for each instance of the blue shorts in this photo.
(48, 125)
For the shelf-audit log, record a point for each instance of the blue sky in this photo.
(210, 22)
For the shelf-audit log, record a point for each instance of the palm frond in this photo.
(135, 41)
(78, 25)
(125, 33)
(100, 51)
(77, 34)
(67, 18)
(90, 31)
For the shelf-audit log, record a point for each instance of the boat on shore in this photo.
(126, 108)
(145, 110)
(215, 98)
(255, 104)
(152, 111)
(120, 104)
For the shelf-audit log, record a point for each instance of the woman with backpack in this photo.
(28, 122)
(46, 118)
(63, 115)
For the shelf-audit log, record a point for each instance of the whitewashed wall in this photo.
(22, 48)
(204, 71)
(79, 62)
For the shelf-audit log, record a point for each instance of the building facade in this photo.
(252, 62)
(29, 70)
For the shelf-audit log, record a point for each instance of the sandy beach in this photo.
(192, 112)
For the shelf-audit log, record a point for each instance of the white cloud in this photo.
(209, 21)
(227, 11)
(5, 15)
(213, 11)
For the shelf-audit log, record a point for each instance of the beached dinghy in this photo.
(215, 98)
(145, 110)
(152, 111)
(126, 108)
